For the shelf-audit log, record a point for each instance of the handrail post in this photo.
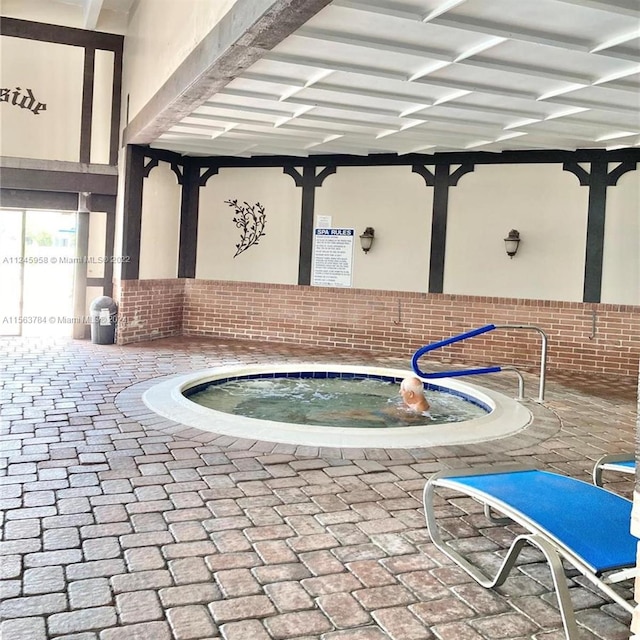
(543, 354)
(520, 381)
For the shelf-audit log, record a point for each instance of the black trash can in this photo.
(104, 315)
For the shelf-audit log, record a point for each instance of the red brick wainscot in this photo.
(148, 309)
(587, 337)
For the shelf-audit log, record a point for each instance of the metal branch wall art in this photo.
(250, 219)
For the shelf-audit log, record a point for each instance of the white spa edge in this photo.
(166, 399)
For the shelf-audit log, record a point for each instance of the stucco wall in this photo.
(66, 14)
(160, 232)
(160, 36)
(275, 257)
(545, 204)
(397, 204)
(53, 73)
(102, 107)
(621, 264)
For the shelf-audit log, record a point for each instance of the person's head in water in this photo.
(412, 393)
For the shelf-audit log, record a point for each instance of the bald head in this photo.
(412, 393)
(412, 384)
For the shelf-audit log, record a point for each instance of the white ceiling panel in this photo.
(390, 76)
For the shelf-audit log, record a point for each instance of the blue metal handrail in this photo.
(471, 372)
(443, 343)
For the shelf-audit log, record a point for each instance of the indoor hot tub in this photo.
(488, 416)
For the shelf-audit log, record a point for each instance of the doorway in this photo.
(37, 267)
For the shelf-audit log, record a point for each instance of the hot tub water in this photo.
(330, 402)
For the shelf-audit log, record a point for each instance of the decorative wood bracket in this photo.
(152, 164)
(308, 181)
(597, 179)
(204, 177)
(440, 180)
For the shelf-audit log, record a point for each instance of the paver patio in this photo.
(114, 528)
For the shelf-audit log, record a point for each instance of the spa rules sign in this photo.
(332, 257)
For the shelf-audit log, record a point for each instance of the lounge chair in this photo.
(567, 519)
(619, 462)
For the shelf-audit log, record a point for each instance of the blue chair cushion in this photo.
(589, 521)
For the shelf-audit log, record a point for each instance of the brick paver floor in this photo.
(114, 530)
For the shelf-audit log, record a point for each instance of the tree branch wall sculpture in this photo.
(251, 220)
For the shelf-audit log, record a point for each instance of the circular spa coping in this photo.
(506, 416)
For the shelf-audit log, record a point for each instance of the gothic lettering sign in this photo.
(22, 98)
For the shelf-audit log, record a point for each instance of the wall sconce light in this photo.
(511, 242)
(366, 239)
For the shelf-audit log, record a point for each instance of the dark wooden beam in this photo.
(439, 228)
(306, 225)
(61, 35)
(50, 200)
(116, 105)
(106, 204)
(597, 178)
(594, 253)
(308, 180)
(455, 157)
(132, 221)
(189, 209)
(87, 105)
(69, 181)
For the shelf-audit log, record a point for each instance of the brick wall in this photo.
(398, 323)
(148, 309)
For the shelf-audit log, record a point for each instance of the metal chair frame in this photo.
(553, 550)
(612, 462)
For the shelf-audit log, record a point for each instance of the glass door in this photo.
(12, 224)
(38, 250)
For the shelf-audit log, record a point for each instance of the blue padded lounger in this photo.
(567, 519)
(620, 463)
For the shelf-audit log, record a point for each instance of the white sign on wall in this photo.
(323, 222)
(332, 257)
